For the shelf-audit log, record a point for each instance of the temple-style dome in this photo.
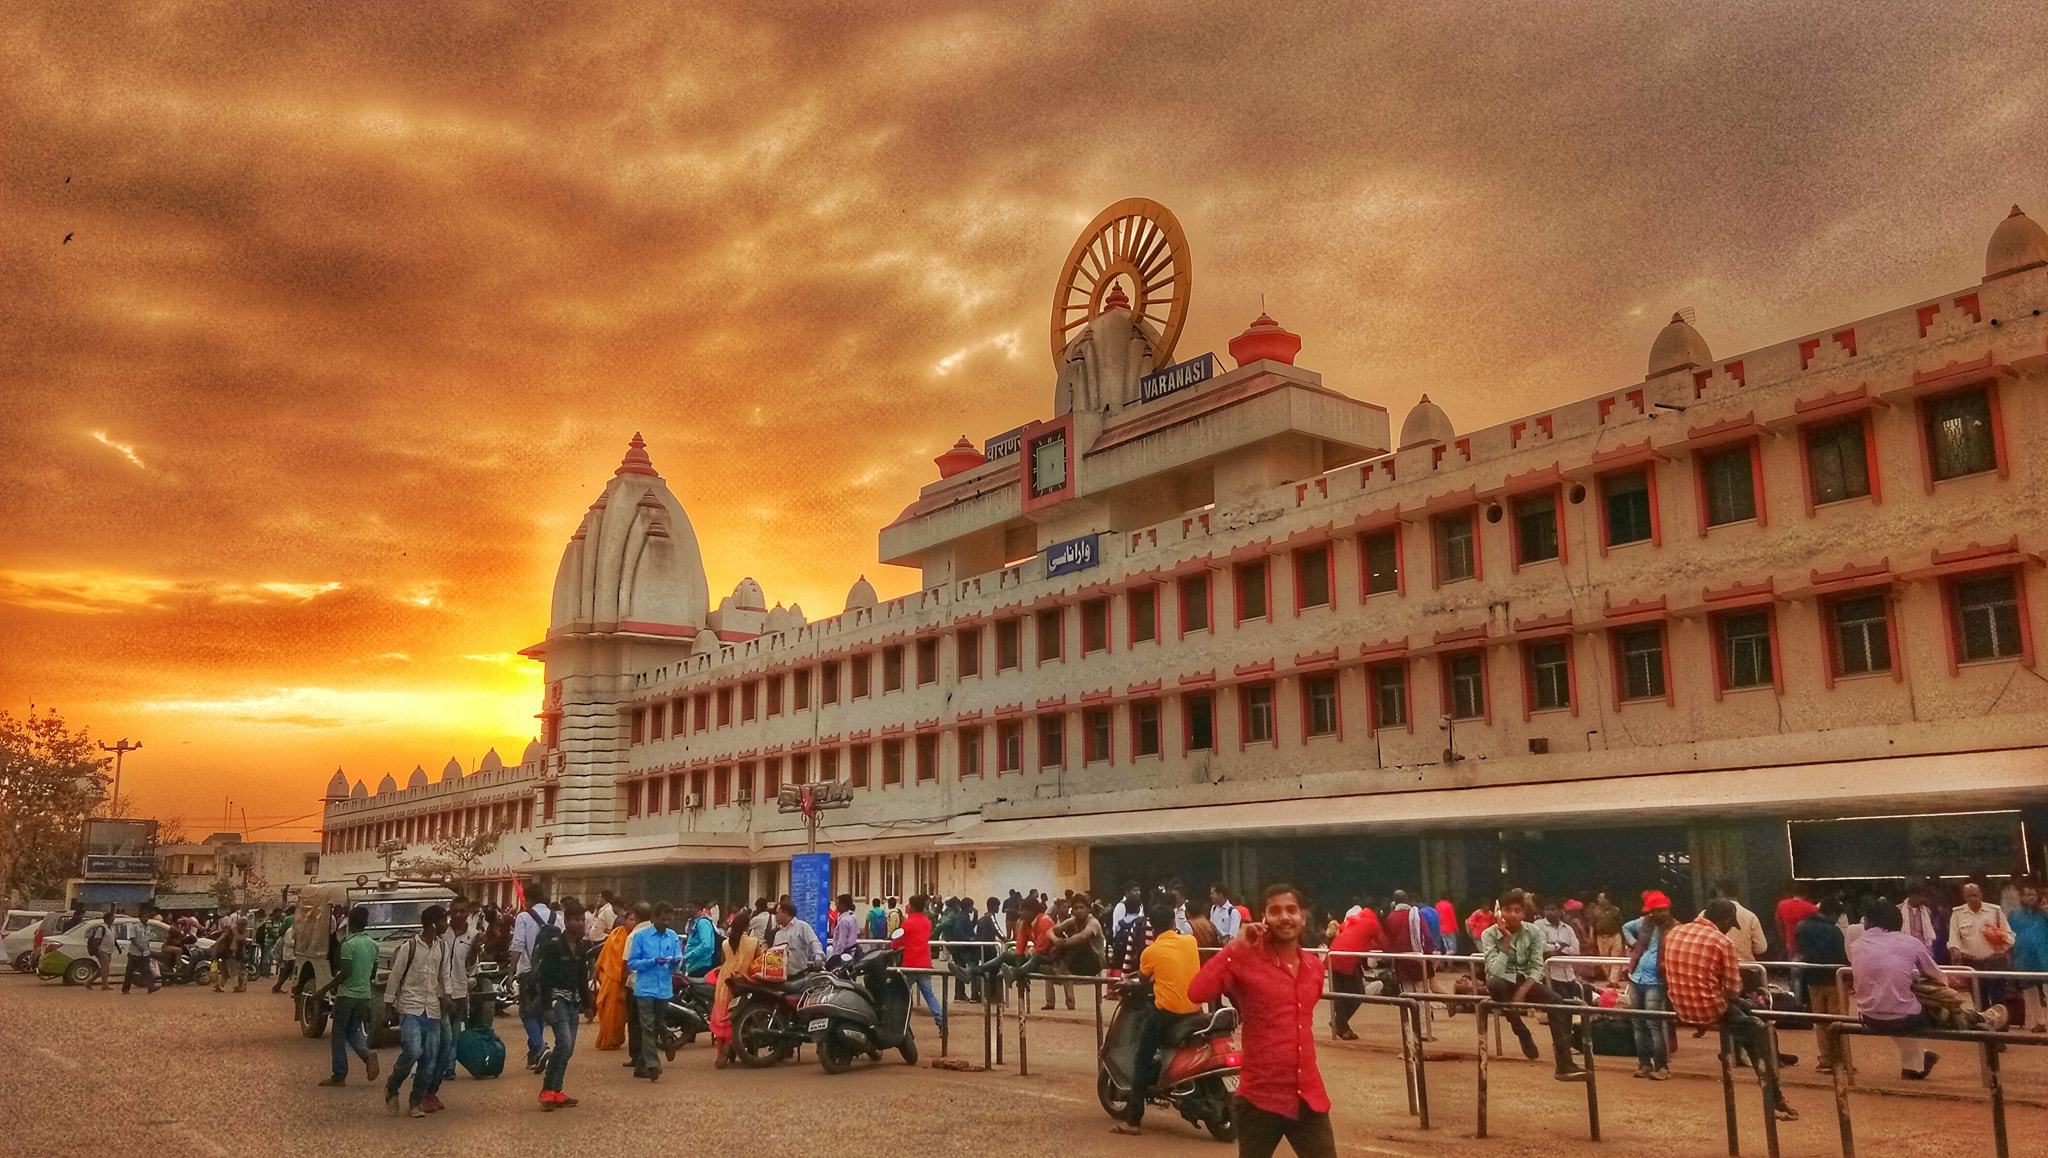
(452, 770)
(959, 458)
(861, 594)
(633, 564)
(1265, 339)
(418, 779)
(1425, 424)
(491, 762)
(1678, 347)
(2018, 243)
(748, 596)
(1101, 366)
(361, 793)
(388, 785)
(337, 787)
(533, 754)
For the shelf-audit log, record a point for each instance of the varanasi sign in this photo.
(1002, 445)
(1073, 555)
(1178, 376)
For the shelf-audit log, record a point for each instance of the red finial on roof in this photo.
(961, 456)
(636, 460)
(1116, 299)
(2016, 212)
(1265, 339)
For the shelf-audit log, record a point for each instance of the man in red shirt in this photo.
(1360, 934)
(1791, 911)
(1276, 986)
(1703, 982)
(914, 937)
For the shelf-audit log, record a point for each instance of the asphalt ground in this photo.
(189, 1071)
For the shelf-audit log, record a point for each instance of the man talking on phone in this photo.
(1275, 986)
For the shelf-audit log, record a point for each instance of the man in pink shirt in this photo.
(1276, 986)
(1885, 963)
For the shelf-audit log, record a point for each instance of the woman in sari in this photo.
(737, 951)
(611, 988)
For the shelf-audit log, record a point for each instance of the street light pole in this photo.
(119, 750)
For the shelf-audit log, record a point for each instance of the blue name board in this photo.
(1073, 555)
(1002, 445)
(1178, 376)
(810, 889)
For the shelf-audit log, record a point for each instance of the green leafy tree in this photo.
(453, 859)
(51, 779)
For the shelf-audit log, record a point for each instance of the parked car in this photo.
(394, 910)
(65, 954)
(18, 938)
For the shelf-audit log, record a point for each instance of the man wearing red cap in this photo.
(1645, 937)
(1703, 978)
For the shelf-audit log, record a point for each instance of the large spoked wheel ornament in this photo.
(1135, 243)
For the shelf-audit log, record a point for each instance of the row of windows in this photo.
(1986, 623)
(1960, 430)
(507, 815)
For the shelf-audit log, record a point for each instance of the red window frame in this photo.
(860, 676)
(1158, 707)
(1187, 721)
(1485, 682)
(927, 757)
(721, 786)
(1086, 606)
(892, 763)
(1571, 670)
(892, 668)
(1556, 494)
(1998, 450)
(725, 707)
(1009, 623)
(927, 660)
(1006, 731)
(1263, 565)
(1374, 725)
(1717, 624)
(1044, 723)
(1295, 566)
(1861, 417)
(967, 643)
(1614, 635)
(1436, 560)
(1180, 586)
(675, 791)
(1244, 714)
(1756, 482)
(1953, 623)
(1365, 591)
(632, 800)
(1057, 616)
(1831, 642)
(860, 766)
(828, 682)
(1307, 704)
(1131, 619)
(636, 726)
(969, 733)
(1089, 753)
(749, 708)
(771, 693)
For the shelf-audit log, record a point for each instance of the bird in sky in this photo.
(68, 237)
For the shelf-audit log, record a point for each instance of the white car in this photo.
(65, 955)
(18, 938)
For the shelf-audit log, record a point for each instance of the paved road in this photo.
(197, 1073)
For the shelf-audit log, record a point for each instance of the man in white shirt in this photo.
(415, 990)
(460, 939)
(525, 930)
(1222, 913)
(1559, 940)
(1919, 917)
(1748, 933)
(606, 916)
(1979, 936)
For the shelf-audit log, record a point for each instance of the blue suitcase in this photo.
(480, 1051)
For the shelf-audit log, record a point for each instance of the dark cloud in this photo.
(376, 295)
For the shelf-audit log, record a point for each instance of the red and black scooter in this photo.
(1198, 1066)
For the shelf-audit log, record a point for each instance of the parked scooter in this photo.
(687, 1014)
(764, 1022)
(862, 1011)
(1198, 1068)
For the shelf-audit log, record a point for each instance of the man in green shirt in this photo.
(1514, 972)
(354, 987)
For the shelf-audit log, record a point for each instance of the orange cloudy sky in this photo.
(362, 302)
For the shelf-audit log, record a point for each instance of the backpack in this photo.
(480, 1050)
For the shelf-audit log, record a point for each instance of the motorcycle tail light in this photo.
(1232, 1059)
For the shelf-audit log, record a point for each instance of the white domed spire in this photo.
(359, 792)
(418, 779)
(1678, 347)
(492, 762)
(1425, 424)
(387, 785)
(2018, 243)
(634, 558)
(337, 788)
(533, 754)
(862, 594)
(452, 770)
(748, 596)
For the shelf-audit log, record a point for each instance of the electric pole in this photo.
(119, 750)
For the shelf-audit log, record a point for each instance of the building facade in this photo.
(256, 872)
(1759, 616)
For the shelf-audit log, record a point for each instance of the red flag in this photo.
(519, 892)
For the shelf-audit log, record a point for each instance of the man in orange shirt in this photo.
(1033, 938)
(1703, 982)
(1171, 961)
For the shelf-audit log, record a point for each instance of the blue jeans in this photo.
(531, 1015)
(923, 982)
(451, 1028)
(351, 1031)
(564, 1015)
(1652, 1041)
(419, 1054)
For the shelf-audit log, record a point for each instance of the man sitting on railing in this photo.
(1703, 982)
(1514, 972)
(1885, 962)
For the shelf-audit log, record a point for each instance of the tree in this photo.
(51, 779)
(454, 858)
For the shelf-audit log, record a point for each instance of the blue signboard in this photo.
(1002, 445)
(810, 889)
(1073, 555)
(1178, 376)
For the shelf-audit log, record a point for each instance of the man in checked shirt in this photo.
(1703, 979)
(1275, 985)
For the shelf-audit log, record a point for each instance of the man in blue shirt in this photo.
(700, 949)
(651, 956)
(1645, 938)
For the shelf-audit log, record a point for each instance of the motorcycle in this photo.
(765, 1029)
(687, 1014)
(863, 1009)
(1198, 1066)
